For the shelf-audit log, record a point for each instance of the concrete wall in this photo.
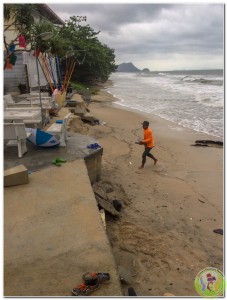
(93, 163)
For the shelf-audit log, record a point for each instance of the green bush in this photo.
(79, 87)
(82, 87)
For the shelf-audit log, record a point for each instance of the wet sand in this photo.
(164, 235)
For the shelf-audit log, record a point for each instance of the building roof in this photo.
(47, 12)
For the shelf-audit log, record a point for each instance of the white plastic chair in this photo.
(16, 134)
(60, 130)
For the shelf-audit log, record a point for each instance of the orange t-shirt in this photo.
(148, 139)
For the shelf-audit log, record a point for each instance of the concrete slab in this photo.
(16, 175)
(38, 158)
(78, 111)
(78, 98)
(53, 233)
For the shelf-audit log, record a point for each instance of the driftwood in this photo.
(202, 145)
(209, 142)
(106, 204)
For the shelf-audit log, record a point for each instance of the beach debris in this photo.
(202, 145)
(96, 121)
(219, 231)
(130, 163)
(103, 217)
(201, 201)
(117, 205)
(106, 205)
(207, 143)
(190, 218)
(109, 196)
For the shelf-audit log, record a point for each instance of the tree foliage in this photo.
(19, 17)
(94, 60)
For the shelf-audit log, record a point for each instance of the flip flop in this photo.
(55, 162)
(58, 161)
(101, 277)
(61, 160)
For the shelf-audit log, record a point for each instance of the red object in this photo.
(9, 66)
(37, 52)
(22, 42)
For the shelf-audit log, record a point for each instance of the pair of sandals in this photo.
(91, 283)
(58, 161)
(93, 146)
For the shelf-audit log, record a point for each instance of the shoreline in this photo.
(110, 98)
(165, 233)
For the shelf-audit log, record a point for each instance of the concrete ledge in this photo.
(15, 176)
(94, 165)
(55, 235)
(76, 148)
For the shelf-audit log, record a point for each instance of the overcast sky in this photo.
(161, 36)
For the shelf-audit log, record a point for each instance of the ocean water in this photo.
(192, 99)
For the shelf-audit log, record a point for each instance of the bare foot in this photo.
(155, 161)
(141, 167)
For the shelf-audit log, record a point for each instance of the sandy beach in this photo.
(164, 235)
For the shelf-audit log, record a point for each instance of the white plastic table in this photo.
(45, 103)
(28, 116)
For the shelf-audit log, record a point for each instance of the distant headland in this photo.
(130, 68)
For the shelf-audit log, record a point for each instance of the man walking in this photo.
(148, 142)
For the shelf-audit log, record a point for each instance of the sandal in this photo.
(86, 288)
(93, 146)
(54, 161)
(101, 277)
(58, 161)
